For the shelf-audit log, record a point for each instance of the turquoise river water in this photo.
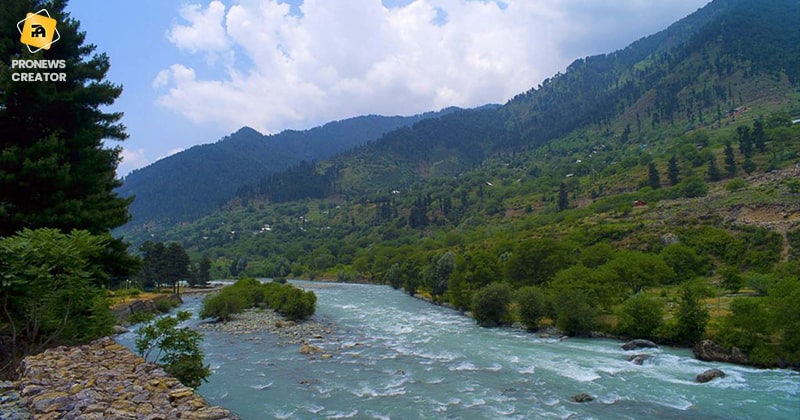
(396, 357)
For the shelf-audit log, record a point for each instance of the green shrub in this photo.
(694, 187)
(575, 312)
(533, 306)
(685, 261)
(640, 317)
(692, 318)
(127, 292)
(177, 350)
(735, 184)
(163, 305)
(223, 305)
(139, 317)
(51, 290)
(286, 299)
(490, 304)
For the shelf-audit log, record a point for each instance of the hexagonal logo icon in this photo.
(38, 30)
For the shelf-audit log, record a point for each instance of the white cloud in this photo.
(131, 159)
(161, 80)
(337, 59)
(204, 32)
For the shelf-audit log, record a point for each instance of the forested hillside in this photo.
(194, 182)
(640, 193)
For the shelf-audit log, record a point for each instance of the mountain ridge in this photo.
(193, 182)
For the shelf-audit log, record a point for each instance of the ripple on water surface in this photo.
(398, 357)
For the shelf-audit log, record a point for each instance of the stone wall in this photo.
(101, 380)
(122, 312)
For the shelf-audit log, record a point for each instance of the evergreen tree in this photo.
(652, 175)
(745, 141)
(713, 170)
(673, 172)
(563, 197)
(177, 265)
(204, 271)
(759, 137)
(730, 159)
(692, 318)
(54, 169)
(749, 166)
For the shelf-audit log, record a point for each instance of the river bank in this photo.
(267, 320)
(705, 350)
(392, 356)
(100, 380)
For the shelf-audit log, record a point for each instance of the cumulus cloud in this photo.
(336, 59)
(131, 159)
(204, 31)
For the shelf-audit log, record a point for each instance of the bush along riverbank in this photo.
(249, 306)
(291, 302)
(641, 319)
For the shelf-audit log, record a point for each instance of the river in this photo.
(397, 357)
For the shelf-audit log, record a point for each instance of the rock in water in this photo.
(639, 344)
(579, 398)
(709, 375)
(119, 329)
(710, 351)
(309, 349)
(639, 359)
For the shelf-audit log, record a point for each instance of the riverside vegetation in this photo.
(592, 201)
(291, 302)
(652, 192)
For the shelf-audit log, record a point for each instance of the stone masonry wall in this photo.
(102, 380)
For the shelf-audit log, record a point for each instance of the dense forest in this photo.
(650, 192)
(194, 182)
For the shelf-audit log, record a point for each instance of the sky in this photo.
(195, 71)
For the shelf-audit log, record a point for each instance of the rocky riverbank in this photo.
(125, 310)
(267, 320)
(100, 380)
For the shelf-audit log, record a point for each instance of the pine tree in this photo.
(730, 159)
(713, 170)
(673, 172)
(749, 166)
(54, 170)
(563, 197)
(745, 141)
(653, 177)
(692, 317)
(759, 136)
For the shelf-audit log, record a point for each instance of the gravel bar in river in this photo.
(267, 320)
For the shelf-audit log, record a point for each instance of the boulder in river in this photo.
(119, 329)
(579, 398)
(640, 359)
(309, 349)
(710, 351)
(639, 344)
(709, 375)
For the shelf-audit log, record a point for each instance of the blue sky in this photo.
(195, 71)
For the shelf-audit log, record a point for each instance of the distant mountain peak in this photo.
(249, 131)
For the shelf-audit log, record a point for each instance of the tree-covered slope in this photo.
(694, 74)
(629, 195)
(194, 182)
